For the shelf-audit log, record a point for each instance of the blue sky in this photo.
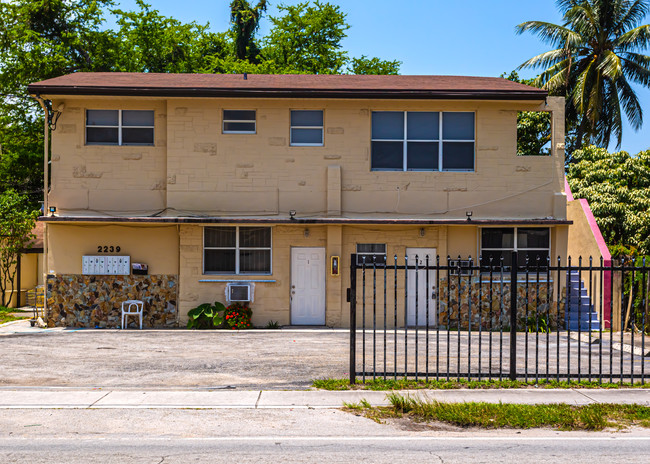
(463, 37)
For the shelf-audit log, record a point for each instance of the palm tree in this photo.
(596, 57)
(245, 20)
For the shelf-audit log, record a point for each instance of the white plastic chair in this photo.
(133, 308)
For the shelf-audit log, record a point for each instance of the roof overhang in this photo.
(325, 220)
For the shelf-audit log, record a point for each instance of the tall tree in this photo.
(147, 41)
(617, 187)
(307, 38)
(245, 20)
(597, 56)
(16, 224)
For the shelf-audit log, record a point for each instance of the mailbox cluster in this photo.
(106, 265)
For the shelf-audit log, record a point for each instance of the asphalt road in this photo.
(325, 435)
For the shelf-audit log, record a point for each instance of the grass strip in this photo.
(6, 316)
(455, 384)
(561, 416)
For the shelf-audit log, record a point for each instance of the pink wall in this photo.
(604, 251)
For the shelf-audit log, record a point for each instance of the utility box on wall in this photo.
(106, 265)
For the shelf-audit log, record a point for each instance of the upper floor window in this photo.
(533, 243)
(237, 250)
(307, 128)
(119, 127)
(239, 121)
(422, 141)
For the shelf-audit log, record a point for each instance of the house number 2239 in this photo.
(108, 249)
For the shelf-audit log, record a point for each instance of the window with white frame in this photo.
(422, 141)
(119, 127)
(239, 122)
(306, 128)
(532, 243)
(371, 253)
(237, 250)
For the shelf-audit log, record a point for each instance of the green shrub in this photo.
(206, 316)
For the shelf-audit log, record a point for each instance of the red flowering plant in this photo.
(237, 316)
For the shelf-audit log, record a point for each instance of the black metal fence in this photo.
(505, 318)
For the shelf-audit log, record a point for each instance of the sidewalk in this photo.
(61, 398)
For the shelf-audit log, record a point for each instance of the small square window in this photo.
(371, 254)
(306, 128)
(239, 122)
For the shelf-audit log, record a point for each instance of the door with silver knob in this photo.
(308, 286)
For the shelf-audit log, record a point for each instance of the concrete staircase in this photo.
(580, 310)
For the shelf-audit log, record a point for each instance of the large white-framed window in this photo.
(119, 127)
(237, 250)
(239, 121)
(372, 253)
(306, 128)
(423, 141)
(532, 243)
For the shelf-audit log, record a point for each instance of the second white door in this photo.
(418, 298)
(308, 286)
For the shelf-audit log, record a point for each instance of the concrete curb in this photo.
(313, 399)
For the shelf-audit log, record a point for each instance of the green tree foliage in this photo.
(597, 56)
(365, 65)
(307, 38)
(533, 127)
(16, 223)
(146, 41)
(617, 187)
(245, 20)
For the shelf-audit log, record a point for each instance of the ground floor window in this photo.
(372, 253)
(530, 242)
(237, 250)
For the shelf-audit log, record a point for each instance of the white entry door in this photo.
(424, 292)
(308, 286)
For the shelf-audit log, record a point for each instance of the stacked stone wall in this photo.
(487, 304)
(96, 301)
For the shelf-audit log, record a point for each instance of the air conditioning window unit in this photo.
(239, 292)
(464, 264)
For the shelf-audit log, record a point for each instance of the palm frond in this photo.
(553, 34)
(610, 65)
(635, 39)
(549, 58)
(555, 77)
(584, 20)
(635, 13)
(631, 104)
(637, 68)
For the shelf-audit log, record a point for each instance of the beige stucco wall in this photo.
(178, 250)
(195, 168)
(106, 177)
(156, 246)
(582, 244)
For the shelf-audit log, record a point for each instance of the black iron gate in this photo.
(505, 319)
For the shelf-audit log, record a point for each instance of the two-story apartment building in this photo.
(275, 180)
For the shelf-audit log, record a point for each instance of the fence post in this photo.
(353, 318)
(513, 317)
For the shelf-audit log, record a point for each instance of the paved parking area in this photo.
(149, 359)
(287, 359)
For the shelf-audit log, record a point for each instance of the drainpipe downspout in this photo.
(46, 175)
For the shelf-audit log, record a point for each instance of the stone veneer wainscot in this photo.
(95, 301)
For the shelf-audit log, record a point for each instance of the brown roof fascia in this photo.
(239, 220)
(284, 93)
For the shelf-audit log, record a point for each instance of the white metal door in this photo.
(424, 292)
(308, 286)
